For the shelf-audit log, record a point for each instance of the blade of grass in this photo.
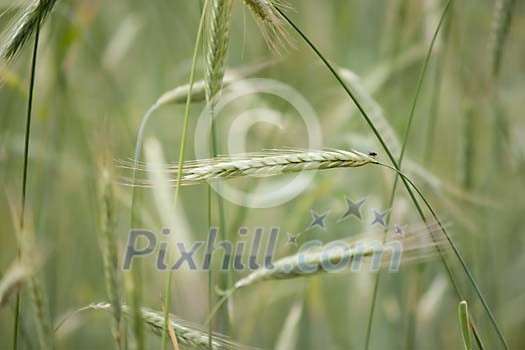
(216, 50)
(167, 297)
(26, 164)
(134, 290)
(138, 146)
(400, 161)
(464, 324)
(449, 272)
(434, 105)
(393, 160)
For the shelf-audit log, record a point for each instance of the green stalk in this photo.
(449, 271)
(394, 162)
(434, 105)
(210, 282)
(167, 297)
(216, 50)
(109, 254)
(399, 162)
(26, 166)
(464, 324)
(135, 278)
(133, 287)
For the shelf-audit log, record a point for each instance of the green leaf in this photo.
(464, 324)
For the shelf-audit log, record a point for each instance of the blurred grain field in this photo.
(101, 65)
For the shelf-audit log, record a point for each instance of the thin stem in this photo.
(393, 160)
(138, 148)
(456, 252)
(140, 135)
(167, 298)
(400, 161)
(427, 204)
(225, 283)
(133, 286)
(434, 105)
(216, 53)
(26, 164)
(210, 281)
(225, 296)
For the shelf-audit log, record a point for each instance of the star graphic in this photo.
(352, 209)
(379, 218)
(400, 230)
(318, 219)
(292, 239)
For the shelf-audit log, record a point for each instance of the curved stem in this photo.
(393, 160)
(226, 295)
(26, 165)
(140, 135)
(400, 161)
(167, 297)
(449, 239)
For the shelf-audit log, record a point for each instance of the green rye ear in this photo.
(17, 36)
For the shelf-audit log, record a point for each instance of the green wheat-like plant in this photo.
(218, 38)
(167, 302)
(42, 318)
(27, 24)
(271, 22)
(281, 307)
(29, 258)
(405, 181)
(188, 335)
(416, 246)
(268, 163)
(290, 267)
(400, 161)
(179, 94)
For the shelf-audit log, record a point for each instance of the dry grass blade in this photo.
(270, 163)
(173, 336)
(15, 38)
